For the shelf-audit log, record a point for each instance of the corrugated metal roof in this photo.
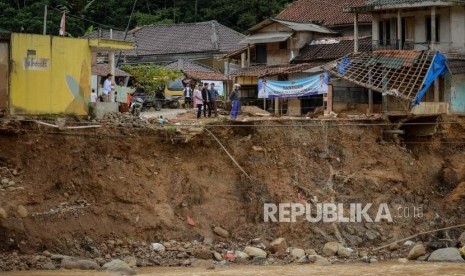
(397, 72)
(310, 27)
(266, 38)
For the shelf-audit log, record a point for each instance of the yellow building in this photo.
(50, 74)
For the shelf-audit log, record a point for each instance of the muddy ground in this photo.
(71, 191)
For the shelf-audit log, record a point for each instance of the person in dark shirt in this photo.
(213, 93)
(206, 100)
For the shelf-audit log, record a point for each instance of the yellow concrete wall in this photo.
(62, 86)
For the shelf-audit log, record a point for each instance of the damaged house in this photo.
(418, 60)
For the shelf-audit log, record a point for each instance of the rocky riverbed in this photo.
(124, 256)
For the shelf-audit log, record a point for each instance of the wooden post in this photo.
(243, 59)
(433, 27)
(356, 33)
(399, 30)
(436, 90)
(370, 93)
(248, 55)
(329, 103)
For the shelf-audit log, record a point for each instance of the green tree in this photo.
(152, 76)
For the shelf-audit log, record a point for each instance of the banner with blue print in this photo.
(314, 85)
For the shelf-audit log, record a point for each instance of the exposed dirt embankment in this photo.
(71, 190)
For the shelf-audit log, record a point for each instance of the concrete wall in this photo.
(451, 27)
(4, 71)
(457, 94)
(57, 79)
(457, 25)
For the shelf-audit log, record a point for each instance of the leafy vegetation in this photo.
(151, 76)
(27, 15)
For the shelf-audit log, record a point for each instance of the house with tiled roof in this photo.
(419, 53)
(196, 71)
(329, 14)
(163, 44)
(282, 48)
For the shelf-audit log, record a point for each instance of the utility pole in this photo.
(195, 14)
(45, 20)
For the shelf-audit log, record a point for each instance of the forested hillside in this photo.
(87, 15)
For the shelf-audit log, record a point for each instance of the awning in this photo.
(110, 45)
(309, 27)
(266, 38)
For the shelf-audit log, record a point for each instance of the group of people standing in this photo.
(204, 97)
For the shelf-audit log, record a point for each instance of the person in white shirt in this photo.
(107, 88)
(188, 96)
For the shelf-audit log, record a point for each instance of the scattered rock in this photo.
(241, 255)
(344, 252)
(330, 248)
(297, 253)
(417, 251)
(208, 240)
(221, 232)
(49, 266)
(158, 247)
(394, 246)
(310, 252)
(22, 211)
(321, 261)
(257, 148)
(131, 261)
(373, 260)
(5, 181)
(303, 260)
(202, 253)
(217, 256)
(255, 252)
(119, 266)
(409, 243)
(182, 255)
(462, 239)
(403, 260)
(423, 258)
(3, 214)
(75, 263)
(58, 257)
(450, 254)
(278, 246)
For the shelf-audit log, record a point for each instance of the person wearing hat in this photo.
(107, 88)
(235, 101)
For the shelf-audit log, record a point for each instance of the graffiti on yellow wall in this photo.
(49, 74)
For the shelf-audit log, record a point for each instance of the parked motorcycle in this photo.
(143, 101)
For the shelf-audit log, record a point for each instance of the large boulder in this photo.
(119, 266)
(255, 252)
(330, 248)
(297, 253)
(416, 251)
(450, 254)
(76, 263)
(278, 246)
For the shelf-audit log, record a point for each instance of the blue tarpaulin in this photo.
(438, 68)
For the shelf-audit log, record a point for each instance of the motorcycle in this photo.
(142, 102)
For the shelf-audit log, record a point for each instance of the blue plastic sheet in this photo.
(437, 68)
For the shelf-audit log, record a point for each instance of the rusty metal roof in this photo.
(397, 72)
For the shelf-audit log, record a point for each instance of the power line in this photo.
(88, 20)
